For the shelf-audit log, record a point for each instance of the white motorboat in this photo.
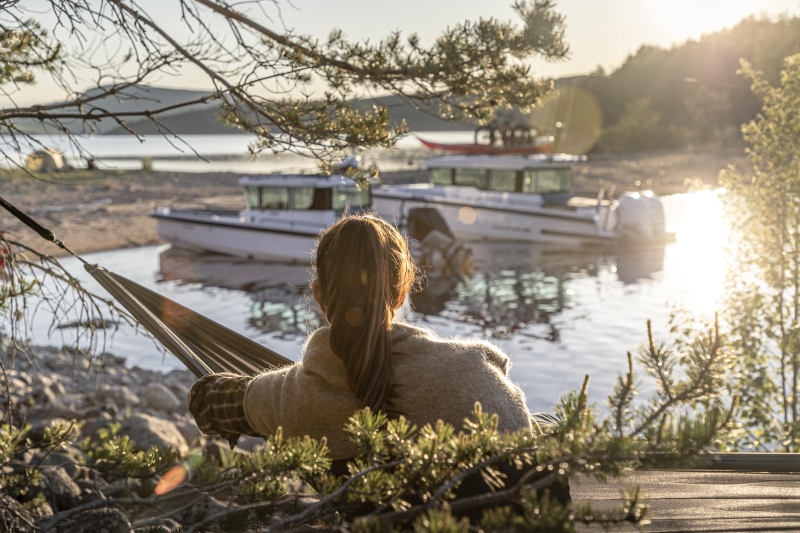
(285, 214)
(520, 198)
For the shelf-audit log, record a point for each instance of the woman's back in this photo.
(433, 379)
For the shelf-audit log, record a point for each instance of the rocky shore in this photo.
(55, 386)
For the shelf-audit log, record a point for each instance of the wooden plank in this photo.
(705, 501)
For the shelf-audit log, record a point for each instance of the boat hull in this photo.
(248, 242)
(476, 221)
(485, 149)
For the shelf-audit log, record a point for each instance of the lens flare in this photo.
(169, 481)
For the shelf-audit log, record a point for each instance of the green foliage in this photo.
(24, 50)
(641, 128)
(765, 285)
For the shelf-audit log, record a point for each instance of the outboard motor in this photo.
(640, 217)
(434, 245)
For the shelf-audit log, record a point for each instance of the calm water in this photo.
(558, 315)
(225, 153)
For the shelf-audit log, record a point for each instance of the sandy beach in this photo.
(92, 211)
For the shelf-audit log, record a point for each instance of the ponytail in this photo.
(364, 270)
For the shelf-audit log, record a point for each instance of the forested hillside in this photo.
(690, 93)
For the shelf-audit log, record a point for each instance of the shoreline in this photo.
(101, 210)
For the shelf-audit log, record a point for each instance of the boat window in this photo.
(302, 199)
(566, 179)
(350, 198)
(274, 198)
(251, 197)
(471, 177)
(503, 180)
(441, 176)
(549, 180)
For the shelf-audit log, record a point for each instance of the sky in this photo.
(599, 32)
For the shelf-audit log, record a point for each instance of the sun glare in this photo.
(699, 252)
(682, 19)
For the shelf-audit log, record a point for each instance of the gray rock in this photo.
(18, 386)
(44, 396)
(47, 413)
(123, 489)
(147, 431)
(190, 432)
(59, 488)
(108, 520)
(59, 459)
(248, 443)
(121, 395)
(42, 381)
(180, 390)
(159, 397)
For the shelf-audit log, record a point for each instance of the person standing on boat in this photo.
(364, 358)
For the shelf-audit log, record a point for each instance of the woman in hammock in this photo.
(364, 358)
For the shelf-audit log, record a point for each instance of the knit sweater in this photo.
(434, 379)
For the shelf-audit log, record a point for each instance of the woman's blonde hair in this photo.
(364, 272)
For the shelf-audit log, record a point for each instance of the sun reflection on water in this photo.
(698, 257)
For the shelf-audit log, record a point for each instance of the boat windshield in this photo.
(307, 198)
(350, 198)
(534, 181)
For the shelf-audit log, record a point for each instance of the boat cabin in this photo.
(529, 175)
(304, 193)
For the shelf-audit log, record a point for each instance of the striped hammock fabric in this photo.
(203, 345)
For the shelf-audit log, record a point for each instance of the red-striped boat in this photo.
(541, 145)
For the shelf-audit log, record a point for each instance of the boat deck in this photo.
(738, 498)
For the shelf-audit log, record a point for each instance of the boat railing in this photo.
(205, 212)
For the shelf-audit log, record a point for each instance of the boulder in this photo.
(44, 396)
(190, 432)
(121, 395)
(59, 459)
(59, 488)
(47, 413)
(180, 390)
(159, 397)
(107, 520)
(147, 431)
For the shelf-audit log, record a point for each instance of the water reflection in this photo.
(519, 284)
(280, 300)
(698, 258)
(515, 285)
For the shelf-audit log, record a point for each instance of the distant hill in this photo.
(205, 120)
(138, 98)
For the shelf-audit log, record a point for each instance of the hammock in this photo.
(203, 345)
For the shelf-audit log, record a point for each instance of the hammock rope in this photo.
(201, 344)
